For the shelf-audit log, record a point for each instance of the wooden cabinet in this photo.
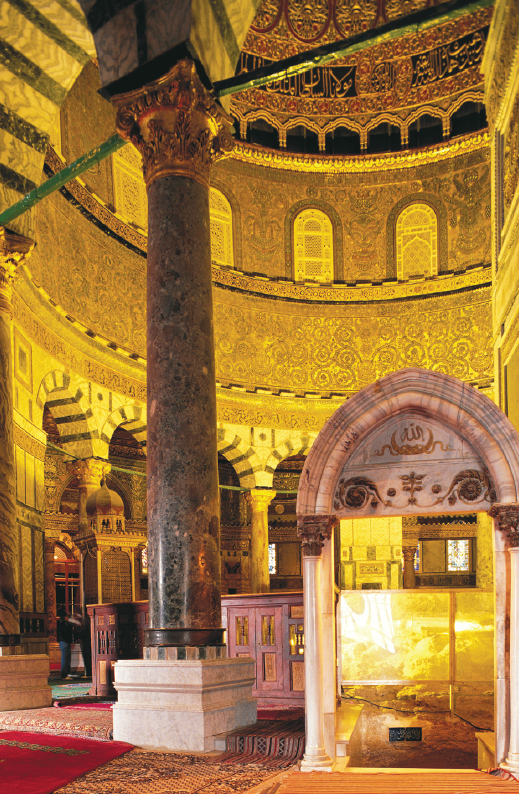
(269, 628)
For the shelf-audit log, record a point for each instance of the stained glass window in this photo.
(272, 559)
(144, 559)
(313, 246)
(417, 242)
(417, 558)
(458, 555)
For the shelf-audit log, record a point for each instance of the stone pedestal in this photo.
(182, 705)
(23, 682)
(259, 501)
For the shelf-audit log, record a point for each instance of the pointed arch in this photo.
(457, 406)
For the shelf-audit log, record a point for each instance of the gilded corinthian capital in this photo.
(176, 125)
(89, 471)
(507, 516)
(313, 531)
(15, 249)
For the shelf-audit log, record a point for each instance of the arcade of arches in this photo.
(294, 315)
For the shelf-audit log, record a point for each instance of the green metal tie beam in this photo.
(413, 23)
(304, 61)
(76, 168)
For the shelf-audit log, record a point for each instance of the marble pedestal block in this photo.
(182, 705)
(23, 682)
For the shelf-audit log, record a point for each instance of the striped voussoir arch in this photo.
(299, 445)
(71, 411)
(242, 457)
(131, 417)
(44, 45)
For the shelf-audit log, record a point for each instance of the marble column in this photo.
(184, 692)
(506, 518)
(89, 472)
(14, 249)
(50, 587)
(409, 553)
(314, 530)
(179, 131)
(259, 501)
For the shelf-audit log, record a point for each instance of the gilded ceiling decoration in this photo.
(434, 67)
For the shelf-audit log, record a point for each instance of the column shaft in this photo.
(179, 131)
(259, 501)
(14, 249)
(9, 623)
(512, 759)
(50, 587)
(182, 470)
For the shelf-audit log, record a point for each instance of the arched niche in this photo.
(413, 420)
(411, 443)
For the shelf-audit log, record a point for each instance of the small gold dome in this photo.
(104, 502)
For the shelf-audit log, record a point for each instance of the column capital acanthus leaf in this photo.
(89, 471)
(507, 516)
(176, 125)
(259, 499)
(313, 531)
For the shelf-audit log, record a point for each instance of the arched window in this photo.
(313, 246)
(417, 242)
(221, 229)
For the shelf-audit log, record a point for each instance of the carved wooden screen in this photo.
(90, 571)
(221, 229)
(116, 577)
(313, 246)
(417, 242)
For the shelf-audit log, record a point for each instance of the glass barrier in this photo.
(415, 636)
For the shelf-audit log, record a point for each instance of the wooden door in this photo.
(241, 632)
(269, 649)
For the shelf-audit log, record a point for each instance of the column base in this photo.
(511, 763)
(182, 705)
(316, 763)
(24, 682)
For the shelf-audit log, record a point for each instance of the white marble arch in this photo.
(486, 441)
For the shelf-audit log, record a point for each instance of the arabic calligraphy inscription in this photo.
(413, 441)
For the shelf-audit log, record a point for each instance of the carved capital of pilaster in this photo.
(50, 545)
(259, 500)
(507, 516)
(313, 531)
(15, 249)
(408, 553)
(89, 471)
(176, 125)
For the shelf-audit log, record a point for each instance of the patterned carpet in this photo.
(84, 724)
(168, 773)
(61, 690)
(275, 744)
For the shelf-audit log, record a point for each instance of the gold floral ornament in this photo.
(176, 125)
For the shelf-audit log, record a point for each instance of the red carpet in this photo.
(33, 763)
